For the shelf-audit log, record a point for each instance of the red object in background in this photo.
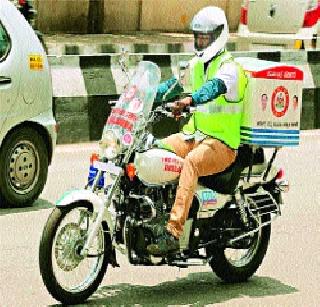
(244, 13)
(22, 2)
(311, 17)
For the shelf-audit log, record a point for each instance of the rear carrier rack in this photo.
(264, 204)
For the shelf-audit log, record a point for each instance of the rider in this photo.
(209, 141)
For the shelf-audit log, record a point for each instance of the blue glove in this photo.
(164, 87)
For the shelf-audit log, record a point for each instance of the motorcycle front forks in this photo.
(99, 209)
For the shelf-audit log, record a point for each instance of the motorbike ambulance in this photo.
(132, 184)
(27, 124)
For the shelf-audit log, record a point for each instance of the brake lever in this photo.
(166, 109)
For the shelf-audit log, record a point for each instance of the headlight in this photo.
(110, 144)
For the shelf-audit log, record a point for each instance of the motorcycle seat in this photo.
(225, 182)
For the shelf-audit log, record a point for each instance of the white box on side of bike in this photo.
(272, 103)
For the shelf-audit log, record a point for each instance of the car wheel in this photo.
(23, 167)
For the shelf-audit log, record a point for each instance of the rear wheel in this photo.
(237, 265)
(70, 277)
(23, 167)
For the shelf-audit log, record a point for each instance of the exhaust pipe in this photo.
(249, 233)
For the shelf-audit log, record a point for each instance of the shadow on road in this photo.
(37, 205)
(198, 289)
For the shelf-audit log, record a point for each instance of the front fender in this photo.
(73, 196)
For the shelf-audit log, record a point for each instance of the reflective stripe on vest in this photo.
(218, 118)
(215, 108)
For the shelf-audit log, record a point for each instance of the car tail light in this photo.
(311, 16)
(244, 12)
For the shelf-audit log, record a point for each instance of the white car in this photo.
(27, 125)
(278, 24)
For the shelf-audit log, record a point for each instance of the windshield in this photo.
(134, 105)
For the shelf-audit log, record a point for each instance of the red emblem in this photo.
(280, 101)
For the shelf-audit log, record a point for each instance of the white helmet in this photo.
(210, 20)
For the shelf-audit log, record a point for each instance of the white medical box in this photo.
(272, 104)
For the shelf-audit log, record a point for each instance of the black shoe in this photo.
(165, 243)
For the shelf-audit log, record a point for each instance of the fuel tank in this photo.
(158, 166)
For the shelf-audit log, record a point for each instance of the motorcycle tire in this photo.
(46, 259)
(233, 272)
(23, 167)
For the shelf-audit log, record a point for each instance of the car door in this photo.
(276, 16)
(9, 73)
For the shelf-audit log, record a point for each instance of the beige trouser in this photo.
(203, 158)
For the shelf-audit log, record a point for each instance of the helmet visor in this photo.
(203, 40)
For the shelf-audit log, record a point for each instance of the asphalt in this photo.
(288, 276)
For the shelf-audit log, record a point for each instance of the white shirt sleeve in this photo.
(228, 73)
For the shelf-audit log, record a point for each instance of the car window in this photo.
(4, 42)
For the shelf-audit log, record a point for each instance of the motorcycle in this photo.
(131, 189)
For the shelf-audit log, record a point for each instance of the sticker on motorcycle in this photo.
(128, 95)
(171, 165)
(208, 198)
(135, 105)
(118, 121)
(124, 113)
(127, 139)
(122, 118)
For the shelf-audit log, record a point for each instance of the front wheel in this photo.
(70, 277)
(237, 265)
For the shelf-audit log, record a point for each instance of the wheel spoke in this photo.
(74, 272)
(241, 257)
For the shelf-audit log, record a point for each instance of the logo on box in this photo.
(280, 101)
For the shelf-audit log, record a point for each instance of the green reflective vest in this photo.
(217, 118)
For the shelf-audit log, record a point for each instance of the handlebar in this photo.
(186, 110)
(166, 109)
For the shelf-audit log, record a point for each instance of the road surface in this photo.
(289, 275)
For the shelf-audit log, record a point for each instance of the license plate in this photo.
(108, 167)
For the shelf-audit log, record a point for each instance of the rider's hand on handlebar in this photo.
(179, 106)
